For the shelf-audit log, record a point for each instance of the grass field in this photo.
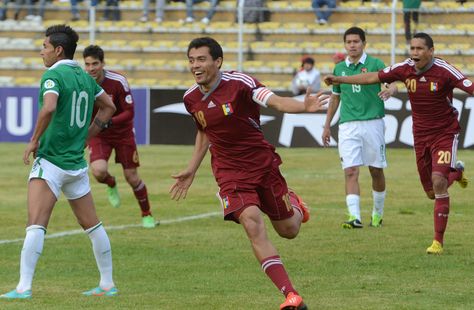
(206, 263)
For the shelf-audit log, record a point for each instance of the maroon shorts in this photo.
(125, 151)
(435, 154)
(267, 191)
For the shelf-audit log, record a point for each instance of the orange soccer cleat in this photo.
(293, 302)
(301, 205)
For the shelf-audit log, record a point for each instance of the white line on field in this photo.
(119, 227)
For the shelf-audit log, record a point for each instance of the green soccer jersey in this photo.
(359, 102)
(63, 141)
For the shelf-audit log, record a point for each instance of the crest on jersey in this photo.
(467, 83)
(434, 86)
(48, 84)
(227, 108)
(363, 70)
(128, 99)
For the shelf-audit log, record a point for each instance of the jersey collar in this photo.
(67, 62)
(362, 60)
(426, 68)
(206, 94)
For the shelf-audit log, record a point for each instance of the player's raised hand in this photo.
(315, 102)
(180, 188)
(330, 79)
(32, 147)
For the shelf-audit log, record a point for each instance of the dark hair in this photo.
(426, 37)
(214, 48)
(355, 30)
(64, 36)
(307, 60)
(94, 51)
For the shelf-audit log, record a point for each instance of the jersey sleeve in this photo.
(392, 73)
(124, 99)
(50, 83)
(466, 85)
(98, 90)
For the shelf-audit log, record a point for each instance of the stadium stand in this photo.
(152, 54)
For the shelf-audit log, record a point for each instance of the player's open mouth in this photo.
(197, 73)
(415, 59)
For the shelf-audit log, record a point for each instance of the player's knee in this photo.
(99, 174)
(288, 232)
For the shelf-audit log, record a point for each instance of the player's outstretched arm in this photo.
(185, 178)
(363, 78)
(312, 103)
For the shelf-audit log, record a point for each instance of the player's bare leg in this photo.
(251, 220)
(41, 202)
(85, 213)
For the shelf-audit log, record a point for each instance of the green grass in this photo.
(208, 263)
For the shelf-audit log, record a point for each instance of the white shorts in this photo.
(73, 183)
(362, 143)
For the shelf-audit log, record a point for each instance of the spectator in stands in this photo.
(338, 57)
(159, 10)
(111, 12)
(255, 11)
(308, 76)
(322, 15)
(410, 11)
(3, 10)
(206, 19)
(31, 9)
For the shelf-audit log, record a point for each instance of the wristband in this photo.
(102, 125)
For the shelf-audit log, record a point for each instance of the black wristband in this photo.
(102, 125)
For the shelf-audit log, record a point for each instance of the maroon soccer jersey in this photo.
(231, 120)
(116, 86)
(430, 93)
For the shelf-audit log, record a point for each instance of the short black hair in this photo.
(307, 60)
(426, 37)
(94, 51)
(355, 30)
(64, 36)
(214, 47)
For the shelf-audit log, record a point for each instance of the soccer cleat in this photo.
(463, 181)
(17, 295)
(376, 221)
(352, 223)
(114, 197)
(302, 205)
(101, 292)
(293, 302)
(435, 248)
(148, 221)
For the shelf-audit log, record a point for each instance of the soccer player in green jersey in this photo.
(361, 127)
(67, 97)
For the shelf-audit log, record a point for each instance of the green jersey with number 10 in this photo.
(64, 140)
(359, 102)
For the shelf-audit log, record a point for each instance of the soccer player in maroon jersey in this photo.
(430, 82)
(226, 109)
(118, 137)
